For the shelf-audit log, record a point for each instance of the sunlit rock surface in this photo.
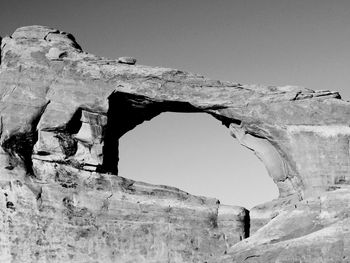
(62, 114)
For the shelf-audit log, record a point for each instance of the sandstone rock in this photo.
(81, 216)
(313, 230)
(55, 53)
(229, 216)
(62, 198)
(127, 60)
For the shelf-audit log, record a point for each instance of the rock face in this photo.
(62, 113)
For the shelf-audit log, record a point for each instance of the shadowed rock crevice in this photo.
(0, 50)
(19, 146)
(246, 224)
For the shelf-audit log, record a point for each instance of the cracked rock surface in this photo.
(62, 112)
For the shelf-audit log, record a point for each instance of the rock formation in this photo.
(62, 113)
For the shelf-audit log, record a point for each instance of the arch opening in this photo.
(95, 138)
(193, 152)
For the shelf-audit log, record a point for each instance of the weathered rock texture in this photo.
(62, 113)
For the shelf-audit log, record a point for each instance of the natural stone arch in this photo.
(98, 136)
(275, 114)
(54, 110)
(82, 82)
(126, 111)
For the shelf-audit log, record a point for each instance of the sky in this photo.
(272, 42)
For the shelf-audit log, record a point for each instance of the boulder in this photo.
(127, 60)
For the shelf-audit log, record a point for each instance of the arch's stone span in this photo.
(267, 153)
(70, 108)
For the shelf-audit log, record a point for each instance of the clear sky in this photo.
(274, 42)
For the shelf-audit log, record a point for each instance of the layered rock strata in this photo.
(62, 113)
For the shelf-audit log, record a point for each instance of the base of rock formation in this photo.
(312, 230)
(70, 215)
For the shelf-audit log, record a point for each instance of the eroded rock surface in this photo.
(62, 114)
(72, 215)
